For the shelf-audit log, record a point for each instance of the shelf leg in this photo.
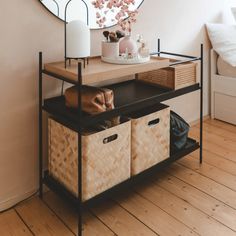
(80, 219)
(40, 127)
(158, 47)
(201, 107)
(80, 181)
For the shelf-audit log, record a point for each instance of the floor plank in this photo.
(189, 215)
(91, 225)
(222, 125)
(12, 225)
(217, 161)
(186, 199)
(41, 220)
(217, 145)
(120, 221)
(210, 171)
(152, 216)
(202, 201)
(204, 184)
(231, 135)
(222, 141)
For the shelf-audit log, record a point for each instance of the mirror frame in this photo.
(107, 27)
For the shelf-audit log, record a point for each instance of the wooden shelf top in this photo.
(99, 71)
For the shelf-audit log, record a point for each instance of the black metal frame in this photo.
(45, 178)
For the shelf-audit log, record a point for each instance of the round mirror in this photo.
(85, 10)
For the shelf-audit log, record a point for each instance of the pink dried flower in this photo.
(122, 9)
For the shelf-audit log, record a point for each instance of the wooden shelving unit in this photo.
(129, 96)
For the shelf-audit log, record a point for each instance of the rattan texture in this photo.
(175, 77)
(104, 165)
(150, 144)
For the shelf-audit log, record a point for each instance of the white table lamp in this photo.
(77, 40)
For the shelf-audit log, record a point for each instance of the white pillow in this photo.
(233, 9)
(223, 39)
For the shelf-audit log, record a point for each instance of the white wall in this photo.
(28, 28)
(180, 25)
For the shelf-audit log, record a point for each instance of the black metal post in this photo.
(58, 9)
(80, 174)
(87, 11)
(65, 22)
(201, 105)
(40, 127)
(178, 55)
(158, 47)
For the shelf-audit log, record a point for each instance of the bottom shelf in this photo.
(55, 186)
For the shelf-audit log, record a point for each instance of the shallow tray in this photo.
(123, 61)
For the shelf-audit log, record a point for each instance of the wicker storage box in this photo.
(105, 164)
(174, 77)
(150, 137)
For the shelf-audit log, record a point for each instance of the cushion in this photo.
(234, 12)
(223, 39)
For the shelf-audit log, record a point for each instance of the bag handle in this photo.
(110, 138)
(108, 101)
(154, 122)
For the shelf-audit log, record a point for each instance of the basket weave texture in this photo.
(103, 164)
(174, 77)
(150, 144)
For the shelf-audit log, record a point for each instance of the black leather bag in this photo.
(179, 130)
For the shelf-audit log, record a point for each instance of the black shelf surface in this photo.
(55, 186)
(129, 96)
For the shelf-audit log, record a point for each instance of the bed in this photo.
(223, 90)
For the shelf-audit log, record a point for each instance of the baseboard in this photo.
(196, 122)
(15, 200)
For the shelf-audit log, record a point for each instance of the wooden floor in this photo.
(186, 199)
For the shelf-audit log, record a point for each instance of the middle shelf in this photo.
(129, 96)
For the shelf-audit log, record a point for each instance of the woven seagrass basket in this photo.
(150, 138)
(174, 77)
(104, 164)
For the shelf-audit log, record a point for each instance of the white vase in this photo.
(110, 49)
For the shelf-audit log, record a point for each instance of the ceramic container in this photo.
(110, 49)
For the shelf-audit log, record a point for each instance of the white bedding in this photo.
(223, 39)
(225, 69)
(223, 90)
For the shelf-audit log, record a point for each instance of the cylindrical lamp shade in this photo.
(77, 40)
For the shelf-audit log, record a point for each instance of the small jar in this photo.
(110, 49)
(143, 50)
